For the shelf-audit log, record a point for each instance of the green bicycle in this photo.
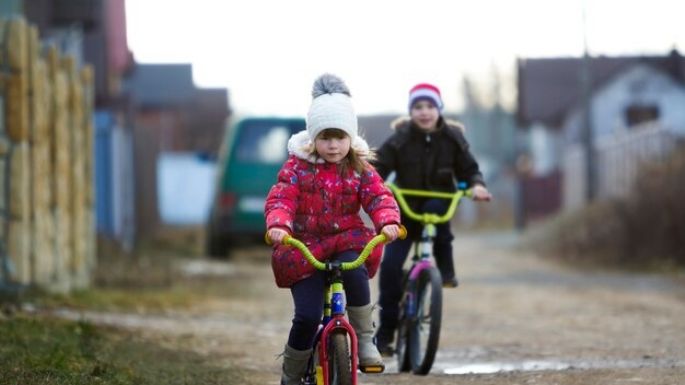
(420, 316)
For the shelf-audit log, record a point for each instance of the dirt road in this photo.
(515, 319)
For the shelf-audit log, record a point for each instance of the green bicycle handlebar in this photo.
(375, 241)
(428, 218)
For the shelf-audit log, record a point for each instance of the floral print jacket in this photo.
(319, 206)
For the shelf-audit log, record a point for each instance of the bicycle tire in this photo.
(424, 330)
(339, 359)
(402, 346)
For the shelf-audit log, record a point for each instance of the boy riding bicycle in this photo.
(426, 152)
(317, 198)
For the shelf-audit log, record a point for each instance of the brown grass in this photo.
(644, 230)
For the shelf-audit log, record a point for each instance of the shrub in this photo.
(647, 228)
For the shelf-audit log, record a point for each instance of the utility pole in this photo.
(588, 135)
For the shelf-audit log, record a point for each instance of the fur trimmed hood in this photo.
(299, 142)
(404, 120)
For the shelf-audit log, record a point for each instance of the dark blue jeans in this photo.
(308, 299)
(390, 278)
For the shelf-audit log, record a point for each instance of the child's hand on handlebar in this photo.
(276, 235)
(480, 193)
(391, 232)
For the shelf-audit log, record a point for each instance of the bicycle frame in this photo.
(429, 220)
(334, 304)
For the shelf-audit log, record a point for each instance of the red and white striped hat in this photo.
(425, 91)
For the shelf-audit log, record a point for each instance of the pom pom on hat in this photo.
(425, 91)
(331, 107)
(329, 84)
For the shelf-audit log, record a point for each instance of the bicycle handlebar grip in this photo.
(286, 239)
(403, 232)
(270, 242)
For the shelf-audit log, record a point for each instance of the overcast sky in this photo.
(268, 52)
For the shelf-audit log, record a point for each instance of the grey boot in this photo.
(294, 365)
(360, 318)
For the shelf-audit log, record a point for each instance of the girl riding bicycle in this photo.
(427, 152)
(317, 198)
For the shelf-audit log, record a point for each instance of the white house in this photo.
(637, 112)
(640, 93)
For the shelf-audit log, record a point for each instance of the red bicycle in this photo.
(334, 357)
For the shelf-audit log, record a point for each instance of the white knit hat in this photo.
(331, 107)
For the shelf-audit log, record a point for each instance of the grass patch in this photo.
(153, 283)
(35, 350)
(140, 300)
(38, 349)
(181, 293)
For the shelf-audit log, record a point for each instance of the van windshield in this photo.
(264, 141)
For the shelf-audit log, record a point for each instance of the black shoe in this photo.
(450, 282)
(384, 339)
(386, 350)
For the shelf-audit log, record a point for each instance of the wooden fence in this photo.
(47, 238)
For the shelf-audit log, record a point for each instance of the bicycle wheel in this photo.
(424, 331)
(402, 346)
(401, 343)
(339, 364)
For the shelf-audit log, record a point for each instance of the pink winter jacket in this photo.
(318, 206)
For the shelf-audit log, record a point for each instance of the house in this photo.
(170, 115)
(638, 94)
(625, 94)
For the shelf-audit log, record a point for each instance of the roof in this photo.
(162, 84)
(548, 88)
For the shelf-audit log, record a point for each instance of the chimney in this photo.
(675, 65)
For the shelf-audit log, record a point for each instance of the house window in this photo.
(637, 114)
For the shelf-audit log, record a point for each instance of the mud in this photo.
(514, 319)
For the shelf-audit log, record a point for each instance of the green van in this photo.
(253, 151)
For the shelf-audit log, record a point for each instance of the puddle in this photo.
(547, 365)
(495, 367)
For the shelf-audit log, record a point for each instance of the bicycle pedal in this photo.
(372, 368)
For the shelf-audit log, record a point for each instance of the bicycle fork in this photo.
(410, 293)
(334, 319)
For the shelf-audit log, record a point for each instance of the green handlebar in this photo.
(288, 240)
(428, 218)
(375, 241)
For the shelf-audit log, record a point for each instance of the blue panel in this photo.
(103, 172)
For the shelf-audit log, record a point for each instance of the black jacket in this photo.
(428, 161)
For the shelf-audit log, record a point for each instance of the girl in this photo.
(317, 198)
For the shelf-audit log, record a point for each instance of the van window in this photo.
(261, 142)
